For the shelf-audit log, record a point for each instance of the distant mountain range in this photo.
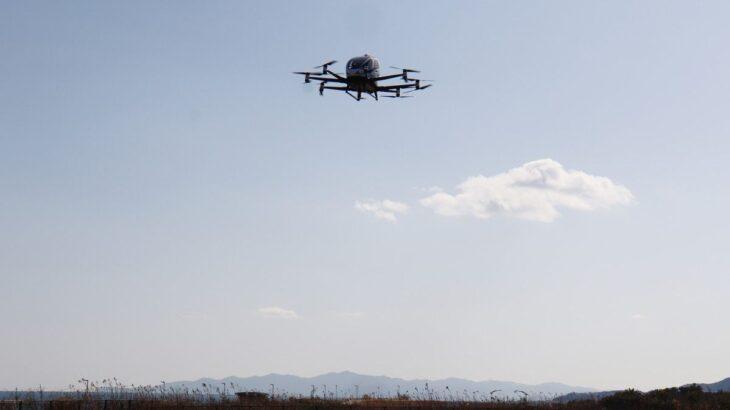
(348, 384)
(721, 386)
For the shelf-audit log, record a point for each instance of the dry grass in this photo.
(111, 395)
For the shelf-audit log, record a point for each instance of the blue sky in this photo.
(163, 177)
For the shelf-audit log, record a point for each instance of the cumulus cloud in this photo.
(534, 191)
(385, 209)
(277, 312)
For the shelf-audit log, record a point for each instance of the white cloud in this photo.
(278, 312)
(637, 316)
(385, 209)
(534, 191)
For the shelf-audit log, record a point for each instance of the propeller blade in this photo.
(312, 73)
(395, 96)
(407, 70)
(418, 89)
(326, 64)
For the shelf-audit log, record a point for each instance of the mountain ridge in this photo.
(350, 384)
(716, 387)
(722, 385)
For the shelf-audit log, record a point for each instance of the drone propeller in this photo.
(306, 75)
(398, 96)
(407, 70)
(418, 88)
(325, 65)
(417, 82)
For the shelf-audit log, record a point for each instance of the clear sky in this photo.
(174, 203)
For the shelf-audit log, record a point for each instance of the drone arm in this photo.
(393, 88)
(327, 79)
(388, 77)
(339, 77)
(345, 89)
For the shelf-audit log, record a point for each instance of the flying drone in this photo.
(362, 76)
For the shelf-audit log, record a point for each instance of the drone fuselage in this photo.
(362, 84)
(362, 76)
(360, 73)
(365, 67)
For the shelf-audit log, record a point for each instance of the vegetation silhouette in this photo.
(114, 396)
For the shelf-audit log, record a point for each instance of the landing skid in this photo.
(359, 96)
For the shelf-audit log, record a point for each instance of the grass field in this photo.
(690, 397)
